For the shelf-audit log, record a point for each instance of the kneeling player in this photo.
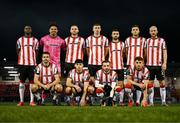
(138, 78)
(46, 79)
(105, 83)
(78, 84)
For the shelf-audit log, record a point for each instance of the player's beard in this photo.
(53, 34)
(46, 63)
(28, 34)
(74, 34)
(115, 38)
(139, 68)
(79, 70)
(106, 71)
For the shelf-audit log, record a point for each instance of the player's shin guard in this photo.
(43, 97)
(55, 100)
(151, 94)
(77, 99)
(31, 94)
(138, 96)
(119, 93)
(55, 95)
(129, 92)
(21, 91)
(163, 93)
(121, 96)
(37, 95)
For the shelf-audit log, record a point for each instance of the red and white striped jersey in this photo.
(155, 49)
(116, 50)
(106, 78)
(138, 76)
(96, 47)
(135, 48)
(27, 53)
(46, 74)
(79, 78)
(74, 49)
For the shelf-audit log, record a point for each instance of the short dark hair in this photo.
(45, 53)
(27, 26)
(74, 25)
(139, 58)
(78, 61)
(115, 29)
(53, 24)
(105, 61)
(135, 25)
(96, 24)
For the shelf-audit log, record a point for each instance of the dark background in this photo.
(121, 14)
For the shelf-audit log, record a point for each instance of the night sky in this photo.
(121, 14)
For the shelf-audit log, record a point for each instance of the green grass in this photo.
(12, 113)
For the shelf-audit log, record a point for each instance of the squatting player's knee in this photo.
(34, 88)
(58, 88)
(90, 90)
(68, 90)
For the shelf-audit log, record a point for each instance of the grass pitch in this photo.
(9, 112)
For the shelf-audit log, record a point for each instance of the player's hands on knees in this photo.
(46, 87)
(78, 89)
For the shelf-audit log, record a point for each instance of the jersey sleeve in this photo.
(114, 77)
(66, 41)
(106, 42)
(41, 43)
(86, 76)
(63, 44)
(146, 74)
(145, 43)
(70, 74)
(37, 70)
(97, 76)
(129, 71)
(126, 43)
(36, 44)
(84, 43)
(164, 45)
(87, 43)
(18, 44)
(55, 70)
(123, 46)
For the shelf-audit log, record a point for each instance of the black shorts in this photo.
(26, 72)
(156, 70)
(68, 67)
(120, 74)
(93, 69)
(137, 87)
